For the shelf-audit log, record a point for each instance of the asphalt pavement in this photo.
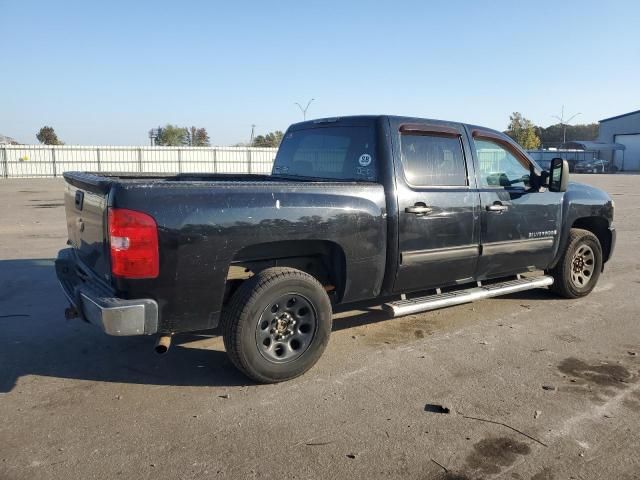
(528, 386)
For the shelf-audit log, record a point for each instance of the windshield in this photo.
(333, 153)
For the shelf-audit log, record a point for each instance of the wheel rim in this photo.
(286, 328)
(582, 266)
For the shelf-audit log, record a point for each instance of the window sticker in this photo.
(365, 160)
(364, 171)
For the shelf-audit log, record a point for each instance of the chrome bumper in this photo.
(96, 303)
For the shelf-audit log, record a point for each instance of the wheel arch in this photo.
(323, 259)
(599, 226)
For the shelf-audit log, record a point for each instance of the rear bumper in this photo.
(97, 304)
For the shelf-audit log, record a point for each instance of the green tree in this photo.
(523, 131)
(197, 137)
(172, 136)
(271, 139)
(47, 135)
(551, 136)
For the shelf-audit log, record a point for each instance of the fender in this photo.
(590, 208)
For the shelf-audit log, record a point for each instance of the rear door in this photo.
(438, 208)
(519, 225)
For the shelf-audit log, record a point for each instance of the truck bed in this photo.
(210, 223)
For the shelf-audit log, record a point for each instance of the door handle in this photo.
(419, 209)
(497, 208)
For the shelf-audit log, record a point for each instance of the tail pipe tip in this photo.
(163, 344)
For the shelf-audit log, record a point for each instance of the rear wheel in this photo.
(577, 272)
(277, 324)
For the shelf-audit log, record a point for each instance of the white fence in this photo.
(51, 161)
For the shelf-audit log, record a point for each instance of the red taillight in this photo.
(133, 240)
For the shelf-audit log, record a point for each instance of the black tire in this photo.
(583, 254)
(253, 306)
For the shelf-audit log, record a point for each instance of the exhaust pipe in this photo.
(163, 344)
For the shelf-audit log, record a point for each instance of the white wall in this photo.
(49, 161)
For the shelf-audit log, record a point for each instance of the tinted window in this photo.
(430, 160)
(499, 167)
(341, 153)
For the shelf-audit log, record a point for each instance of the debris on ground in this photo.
(633, 354)
(484, 342)
(446, 470)
(318, 444)
(551, 388)
(537, 413)
(225, 396)
(504, 425)
(351, 456)
(434, 408)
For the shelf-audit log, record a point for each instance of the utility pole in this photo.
(564, 123)
(253, 130)
(304, 110)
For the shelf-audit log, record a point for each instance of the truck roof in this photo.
(367, 119)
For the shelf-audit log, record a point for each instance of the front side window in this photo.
(499, 167)
(430, 160)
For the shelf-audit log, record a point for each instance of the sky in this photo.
(104, 73)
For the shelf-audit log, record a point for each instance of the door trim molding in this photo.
(415, 257)
(515, 246)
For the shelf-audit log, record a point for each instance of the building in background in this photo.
(623, 130)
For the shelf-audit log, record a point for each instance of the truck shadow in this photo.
(37, 340)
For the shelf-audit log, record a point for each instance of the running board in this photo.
(448, 299)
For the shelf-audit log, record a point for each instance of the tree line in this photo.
(174, 136)
(532, 137)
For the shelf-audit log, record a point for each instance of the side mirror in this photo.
(558, 175)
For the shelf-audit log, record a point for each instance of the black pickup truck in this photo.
(411, 213)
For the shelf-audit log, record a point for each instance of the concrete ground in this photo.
(538, 387)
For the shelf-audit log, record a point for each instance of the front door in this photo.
(437, 208)
(519, 225)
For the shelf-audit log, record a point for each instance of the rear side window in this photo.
(340, 153)
(430, 160)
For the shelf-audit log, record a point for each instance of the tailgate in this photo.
(86, 212)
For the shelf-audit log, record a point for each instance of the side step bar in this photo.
(448, 299)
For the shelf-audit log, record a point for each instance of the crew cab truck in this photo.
(411, 213)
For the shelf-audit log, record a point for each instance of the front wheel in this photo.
(277, 324)
(577, 272)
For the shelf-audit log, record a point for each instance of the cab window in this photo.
(431, 160)
(498, 167)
